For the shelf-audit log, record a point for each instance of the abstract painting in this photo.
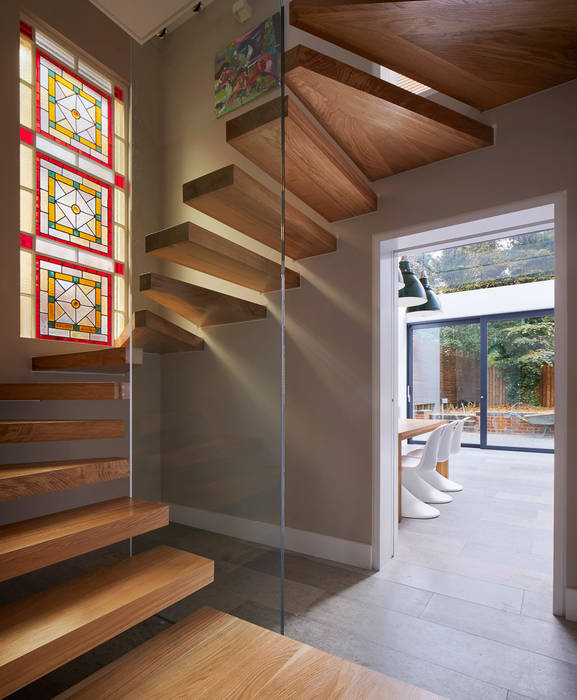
(248, 67)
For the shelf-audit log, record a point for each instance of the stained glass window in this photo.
(73, 207)
(74, 303)
(73, 195)
(72, 111)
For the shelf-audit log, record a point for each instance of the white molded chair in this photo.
(412, 470)
(446, 443)
(456, 443)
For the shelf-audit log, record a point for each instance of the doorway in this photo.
(496, 371)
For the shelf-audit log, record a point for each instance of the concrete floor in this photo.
(463, 610)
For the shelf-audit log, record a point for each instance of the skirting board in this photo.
(571, 604)
(301, 541)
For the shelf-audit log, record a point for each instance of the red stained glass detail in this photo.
(26, 29)
(119, 268)
(118, 93)
(26, 136)
(26, 241)
(107, 163)
(119, 180)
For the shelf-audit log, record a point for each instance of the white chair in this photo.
(446, 443)
(412, 470)
(456, 443)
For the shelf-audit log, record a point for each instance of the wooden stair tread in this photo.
(315, 171)
(236, 199)
(195, 247)
(152, 333)
(215, 655)
(482, 53)
(204, 307)
(33, 544)
(45, 631)
(20, 480)
(382, 128)
(110, 360)
(74, 391)
(50, 430)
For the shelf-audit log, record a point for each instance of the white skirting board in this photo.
(301, 541)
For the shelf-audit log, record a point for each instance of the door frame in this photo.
(385, 399)
(483, 322)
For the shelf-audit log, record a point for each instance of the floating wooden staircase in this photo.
(40, 633)
(64, 391)
(315, 170)
(214, 655)
(45, 631)
(199, 249)
(381, 127)
(236, 199)
(482, 53)
(152, 333)
(108, 361)
(51, 430)
(201, 306)
(33, 544)
(20, 480)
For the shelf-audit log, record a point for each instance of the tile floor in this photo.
(463, 610)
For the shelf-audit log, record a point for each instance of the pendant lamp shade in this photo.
(401, 281)
(412, 294)
(432, 306)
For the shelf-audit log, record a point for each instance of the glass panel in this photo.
(26, 272)
(27, 329)
(207, 425)
(520, 382)
(26, 211)
(27, 167)
(119, 119)
(446, 373)
(25, 105)
(25, 60)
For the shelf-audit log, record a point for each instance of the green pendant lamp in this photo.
(412, 294)
(432, 307)
(400, 280)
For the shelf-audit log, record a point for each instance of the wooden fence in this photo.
(545, 388)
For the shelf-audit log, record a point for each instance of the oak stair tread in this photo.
(236, 199)
(195, 247)
(214, 655)
(315, 171)
(32, 544)
(155, 334)
(201, 306)
(51, 430)
(64, 391)
(32, 478)
(383, 129)
(482, 53)
(49, 629)
(107, 361)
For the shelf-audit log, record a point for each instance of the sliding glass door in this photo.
(498, 371)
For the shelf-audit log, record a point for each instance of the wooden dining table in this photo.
(409, 428)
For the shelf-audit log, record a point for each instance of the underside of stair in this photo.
(214, 655)
(45, 631)
(236, 199)
(20, 480)
(315, 171)
(67, 391)
(382, 128)
(201, 306)
(108, 361)
(152, 333)
(482, 53)
(33, 544)
(199, 249)
(51, 430)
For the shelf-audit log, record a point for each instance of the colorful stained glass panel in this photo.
(73, 207)
(73, 303)
(71, 111)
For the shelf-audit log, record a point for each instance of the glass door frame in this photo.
(483, 322)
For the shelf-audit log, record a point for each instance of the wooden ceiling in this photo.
(484, 53)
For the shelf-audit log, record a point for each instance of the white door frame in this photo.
(386, 402)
